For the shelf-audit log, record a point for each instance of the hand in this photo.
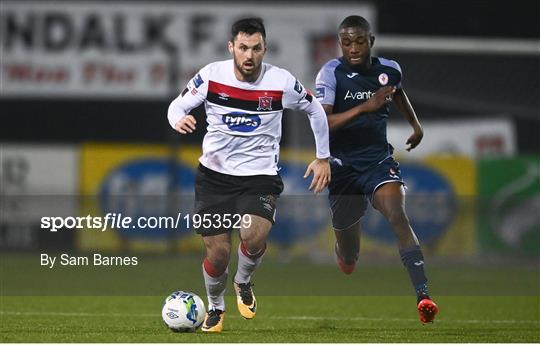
(186, 124)
(415, 138)
(321, 174)
(380, 98)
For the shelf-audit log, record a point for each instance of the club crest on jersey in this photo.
(383, 78)
(241, 122)
(265, 103)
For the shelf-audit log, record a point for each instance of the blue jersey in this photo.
(362, 142)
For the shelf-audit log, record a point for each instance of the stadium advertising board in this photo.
(136, 181)
(440, 205)
(35, 181)
(470, 137)
(132, 180)
(130, 50)
(509, 191)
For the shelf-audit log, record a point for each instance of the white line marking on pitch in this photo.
(300, 318)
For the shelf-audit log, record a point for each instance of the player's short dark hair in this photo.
(249, 26)
(355, 22)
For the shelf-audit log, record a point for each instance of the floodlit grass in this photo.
(297, 302)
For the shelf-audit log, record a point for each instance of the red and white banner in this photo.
(126, 50)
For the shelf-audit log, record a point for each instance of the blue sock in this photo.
(413, 260)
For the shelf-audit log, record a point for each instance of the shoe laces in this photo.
(214, 312)
(214, 315)
(246, 293)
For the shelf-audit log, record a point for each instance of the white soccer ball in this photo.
(183, 311)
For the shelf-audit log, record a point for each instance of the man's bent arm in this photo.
(181, 106)
(379, 98)
(404, 106)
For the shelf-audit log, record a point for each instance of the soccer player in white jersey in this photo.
(244, 100)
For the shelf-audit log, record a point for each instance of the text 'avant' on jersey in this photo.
(362, 142)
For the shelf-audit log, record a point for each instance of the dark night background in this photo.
(39, 120)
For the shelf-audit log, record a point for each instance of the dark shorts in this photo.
(350, 190)
(221, 197)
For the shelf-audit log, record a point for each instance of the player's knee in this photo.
(219, 257)
(253, 249)
(253, 242)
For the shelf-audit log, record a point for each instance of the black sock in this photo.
(413, 260)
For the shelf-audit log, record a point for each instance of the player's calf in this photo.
(346, 264)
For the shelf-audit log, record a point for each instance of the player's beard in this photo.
(251, 74)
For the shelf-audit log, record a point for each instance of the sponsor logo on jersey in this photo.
(297, 86)
(383, 78)
(352, 75)
(241, 122)
(265, 103)
(224, 96)
(320, 92)
(198, 81)
(194, 92)
(359, 95)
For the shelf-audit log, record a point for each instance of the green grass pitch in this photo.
(297, 302)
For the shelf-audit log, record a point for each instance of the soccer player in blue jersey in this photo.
(355, 91)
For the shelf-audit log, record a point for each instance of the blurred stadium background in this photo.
(85, 88)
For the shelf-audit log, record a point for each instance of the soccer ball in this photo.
(183, 311)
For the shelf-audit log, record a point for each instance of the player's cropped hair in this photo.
(355, 22)
(249, 26)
